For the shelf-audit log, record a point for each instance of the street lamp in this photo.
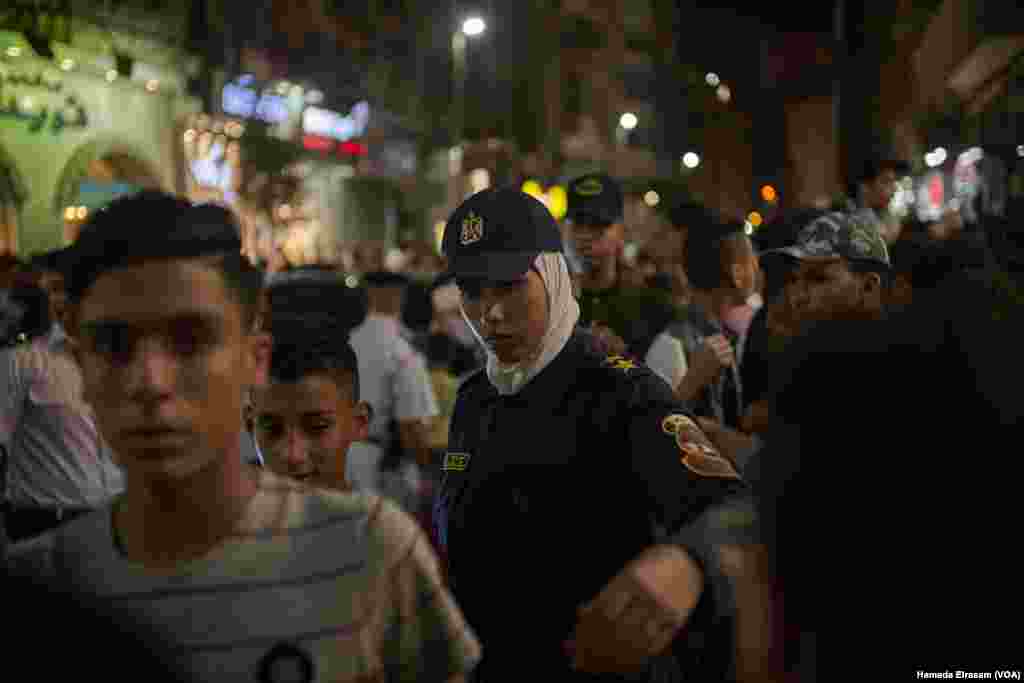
(472, 28)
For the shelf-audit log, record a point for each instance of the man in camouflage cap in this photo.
(842, 271)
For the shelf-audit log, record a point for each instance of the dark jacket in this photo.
(549, 493)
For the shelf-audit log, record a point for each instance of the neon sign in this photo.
(240, 100)
(330, 124)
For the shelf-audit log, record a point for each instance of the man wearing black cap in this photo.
(637, 315)
(567, 476)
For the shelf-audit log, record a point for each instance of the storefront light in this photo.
(1020, 150)
(652, 198)
(67, 64)
(70, 213)
(152, 85)
(81, 213)
(14, 51)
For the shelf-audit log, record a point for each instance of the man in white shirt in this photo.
(395, 383)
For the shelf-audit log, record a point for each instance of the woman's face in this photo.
(510, 316)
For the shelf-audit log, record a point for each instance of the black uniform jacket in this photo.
(549, 493)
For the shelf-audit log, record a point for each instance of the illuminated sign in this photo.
(249, 103)
(554, 198)
(330, 124)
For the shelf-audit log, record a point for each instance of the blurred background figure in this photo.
(58, 466)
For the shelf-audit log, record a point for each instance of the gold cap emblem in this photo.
(472, 229)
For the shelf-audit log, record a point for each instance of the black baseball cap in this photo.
(497, 234)
(595, 199)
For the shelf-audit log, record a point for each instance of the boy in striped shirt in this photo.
(250, 576)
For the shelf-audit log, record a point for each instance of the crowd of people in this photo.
(528, 456)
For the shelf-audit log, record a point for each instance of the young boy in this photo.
(309, 413)
(249, 575)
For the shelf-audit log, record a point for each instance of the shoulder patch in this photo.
(698, 454)
(619, 363)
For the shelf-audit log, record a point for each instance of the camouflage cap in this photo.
(839, 235)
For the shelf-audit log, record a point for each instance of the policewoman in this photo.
(567, 476)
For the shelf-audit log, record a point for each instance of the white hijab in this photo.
(563, 313)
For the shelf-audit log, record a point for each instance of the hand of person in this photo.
(714, 354)
(638, 614)
(756, 419)
(732, 444)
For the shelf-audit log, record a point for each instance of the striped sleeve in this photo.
(431, 640)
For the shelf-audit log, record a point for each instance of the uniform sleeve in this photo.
(434, 641)
(666, 359)
(13, 388)
(414, 392)
(682, 471)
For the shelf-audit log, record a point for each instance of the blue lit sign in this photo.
(248, 103)
(329, 124)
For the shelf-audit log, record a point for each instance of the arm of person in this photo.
(706, 362)
(645, 607)
(415, 405)
(433, 642)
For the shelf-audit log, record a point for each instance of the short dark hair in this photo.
(295, 356)
(152, 225)
(35, 320)
(705, 254)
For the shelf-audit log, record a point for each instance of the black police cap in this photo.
(497, 234)
(595, 199)
(149, 225)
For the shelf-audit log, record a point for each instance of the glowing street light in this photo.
(474, 26)
(936, 157)
(691, 160)
(652, 198)
(629, 121)
(712, 79)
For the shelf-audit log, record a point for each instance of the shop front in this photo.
(75, 133)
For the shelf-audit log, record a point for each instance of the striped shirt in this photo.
(345, 584)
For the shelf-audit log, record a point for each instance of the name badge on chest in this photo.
(455, 462)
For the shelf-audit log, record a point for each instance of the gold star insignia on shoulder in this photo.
(619, 363)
